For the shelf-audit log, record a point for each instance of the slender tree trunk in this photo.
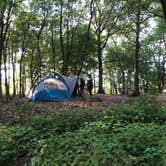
(136, 56)
(160, 83)
(1, 53)
(61, 39)
(67, 55)
(39, 60)
(5, 71)
(110, 80)
(100, 66)
(21, 63)
(129, 82)
(94, 82)
(161, 78)
(123, 82)
(31, 68)
(146, 82)
(14, 69)
(39, 57)
(20, 76)
(0, 77)
(23, 82)
(53, 47)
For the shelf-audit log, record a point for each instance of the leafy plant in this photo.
(126, 135)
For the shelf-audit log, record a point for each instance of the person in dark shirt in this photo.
(82, 86)
(90, 84)
(75, 91)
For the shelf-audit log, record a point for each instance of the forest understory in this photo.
(19, 110)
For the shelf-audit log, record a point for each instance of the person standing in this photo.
(82, 86)
(90, 84)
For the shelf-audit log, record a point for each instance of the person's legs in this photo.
(90, 92)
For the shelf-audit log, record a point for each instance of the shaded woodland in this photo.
(121, 43)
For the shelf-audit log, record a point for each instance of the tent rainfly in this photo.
(53, 87)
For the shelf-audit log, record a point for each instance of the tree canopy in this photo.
(122, 43)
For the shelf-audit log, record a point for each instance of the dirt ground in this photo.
(15, 112)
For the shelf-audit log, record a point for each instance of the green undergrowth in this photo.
(133, 134)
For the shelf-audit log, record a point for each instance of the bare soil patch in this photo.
(15, 112)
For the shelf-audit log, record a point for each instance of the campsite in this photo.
(82, 83)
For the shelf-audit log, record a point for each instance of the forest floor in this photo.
(20, 110)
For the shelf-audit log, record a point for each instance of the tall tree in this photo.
(106, 17)
(137, 17)
(7, 9)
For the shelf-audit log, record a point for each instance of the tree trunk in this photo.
(1, 53)
(123, 83)
(21, 63)
(0, 75)
(5, 71)
(53, 48)
(100, 66)
(146, 82)
(136, 56)
(13, 58)
(23, 82)
(160, 82)
(39, 55)
(61, 40)
(39, 60)
(163, 3)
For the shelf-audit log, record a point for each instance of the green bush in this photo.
(23, 105)
(8, 147)
(135, 144)
(127, 135)
(26, 137)
(145, 110)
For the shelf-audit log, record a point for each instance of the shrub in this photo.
(8, 147)
(127, 135)
(23, 105)
(135, 144)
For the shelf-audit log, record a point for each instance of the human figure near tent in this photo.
(90, 84)
(82, 86)
(75, 91)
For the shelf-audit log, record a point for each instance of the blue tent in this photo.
(53, 87)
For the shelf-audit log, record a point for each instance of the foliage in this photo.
(126, 135)
(22, 106)
(19, 140)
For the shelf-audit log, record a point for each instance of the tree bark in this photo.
(5, 71)
(5, 16)
(1, 49)
(21, 62)
(13, 58)
(163, 3)
(161, 78)
(61, 39)
(53, 47)
(123, 83)
(146, 82)
(136, 56)
(0, 72)
(100, 66)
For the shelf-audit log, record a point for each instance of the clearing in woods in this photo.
(20, 110)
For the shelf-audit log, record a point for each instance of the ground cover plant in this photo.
(132, 134)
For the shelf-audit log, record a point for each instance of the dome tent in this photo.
(53, 87)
